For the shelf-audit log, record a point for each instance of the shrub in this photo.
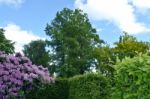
(57, 90)
(18, 74)
(89, 86)
(132, 78)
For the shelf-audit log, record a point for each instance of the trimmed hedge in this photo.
(57, 90)
(89, 86)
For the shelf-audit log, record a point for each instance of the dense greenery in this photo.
(89, 86)
(36, 51)
(57, 90)
(105, 60)
(5, 44)
(132, 78)
(72, 40)
(129, 46)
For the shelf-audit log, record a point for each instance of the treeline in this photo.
(75, 48)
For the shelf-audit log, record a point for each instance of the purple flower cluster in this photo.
(17, 70)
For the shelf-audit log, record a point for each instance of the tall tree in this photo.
(72, 40)
(129, 46)
(5, 44)
(36, 51)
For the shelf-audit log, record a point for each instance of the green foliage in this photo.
(57, 90)
(128, 46)
(72, 40)
(89, 86)
(36, 51)
(104, 60)
(132, 78)
(6, 45)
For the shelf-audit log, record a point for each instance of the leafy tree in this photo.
(128, 46)
(104, 60)
(36, 51)
(72, 40)
(5, 44)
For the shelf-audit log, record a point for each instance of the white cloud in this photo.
(142, 4)
(20, 37)
(120, 12)
(11, 2)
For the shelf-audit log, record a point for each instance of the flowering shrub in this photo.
(18, 74)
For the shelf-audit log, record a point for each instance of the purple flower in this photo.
(15, 71)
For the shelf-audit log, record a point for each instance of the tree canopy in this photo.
(5, 44)
(129, 46)
(72, 40)
(104, 59)
(36, 51)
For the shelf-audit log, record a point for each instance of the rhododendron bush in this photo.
(18, 74)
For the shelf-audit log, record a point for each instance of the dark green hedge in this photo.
(89, 86)
(57, 90)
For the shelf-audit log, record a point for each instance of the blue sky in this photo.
(25, 20)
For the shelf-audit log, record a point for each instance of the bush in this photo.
(57, 90)
(132, 78)
(89, 86)
(18, 75)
